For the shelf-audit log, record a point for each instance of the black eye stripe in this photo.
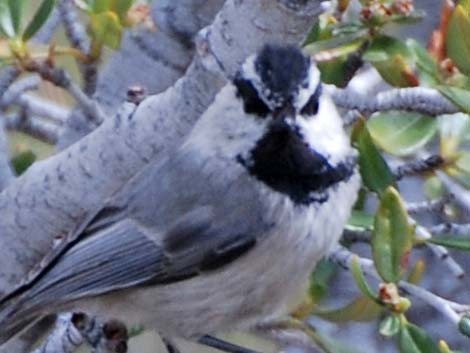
(311, 107)
(253, 104)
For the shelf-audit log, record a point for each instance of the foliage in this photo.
(343, 40)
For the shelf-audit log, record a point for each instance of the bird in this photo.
(224, 231)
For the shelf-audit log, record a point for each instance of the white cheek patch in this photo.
(324, 132)
(304, 94)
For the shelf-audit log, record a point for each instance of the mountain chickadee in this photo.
(225, 231)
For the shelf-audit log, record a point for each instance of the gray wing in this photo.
(126, 255)
(168, 224)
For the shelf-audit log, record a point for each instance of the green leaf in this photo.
(361, 281)
(414, 340)
(337, 72)
(6, 23)
(341, 56)
(107, 29)
(392, 238)
(99, 6)
(425, 63)
(16, 11)
(375, 172)
(361, 309)
(23, 161)
(458, 39)
(360, 220)
(393, 60)
(386, 48)
(397, 72)
(401, 133)
(390, 326)
(322, 29)
(459, 96)
(121, 7)
(454, 242)
(39, 18)
(320, 280)
(338, 45)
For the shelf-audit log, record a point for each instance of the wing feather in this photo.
(117, 257)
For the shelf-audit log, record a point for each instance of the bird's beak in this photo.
(284, 113)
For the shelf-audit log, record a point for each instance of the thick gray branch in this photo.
(55, 194)
(153, 59)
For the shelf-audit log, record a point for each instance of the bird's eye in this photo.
(311, 107)
(253, 104)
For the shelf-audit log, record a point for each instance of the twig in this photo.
(32, 104)
(61, 78)
(40, 129)
(43, 108)
(451, 228)
(421, 100)
(441, 252)
(418, 166)
(351, 117)
(428, 206)
(461, 195)
(7, 76)
(74, 29)
(450, 310)
(76, 33)
(356, 236)
(17, 89)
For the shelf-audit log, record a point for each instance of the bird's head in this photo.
(278, 123)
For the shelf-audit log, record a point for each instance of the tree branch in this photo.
(460, 194)
(428, 206)
(440, 252)
(450, 310)
(418, 166)
(451, 228)
(33, 126)
(152, 59)
(76, 33)
(62, 79)
(418, 99)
